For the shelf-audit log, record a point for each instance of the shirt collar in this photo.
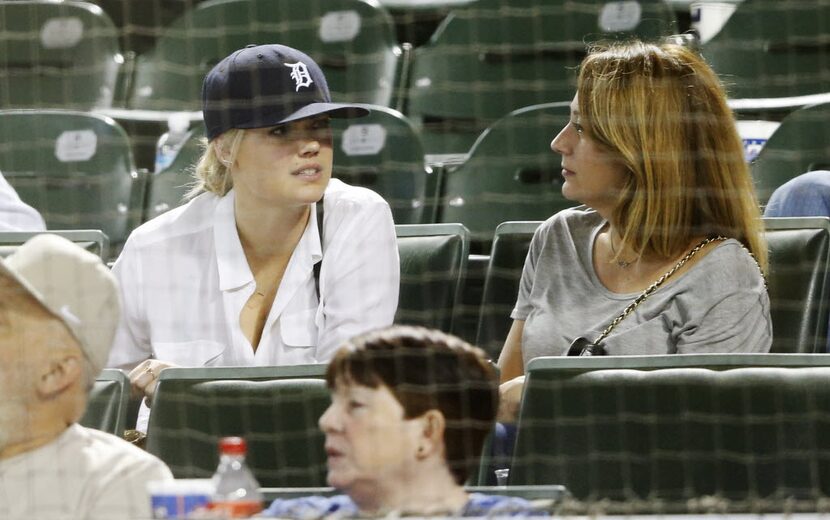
(234, 271)
(230, 258)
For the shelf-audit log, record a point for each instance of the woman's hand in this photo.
(144, 378)
(510, 400)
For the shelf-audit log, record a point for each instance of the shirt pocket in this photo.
(189, 353)
(298, 329)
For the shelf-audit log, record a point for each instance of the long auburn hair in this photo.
(663, 110)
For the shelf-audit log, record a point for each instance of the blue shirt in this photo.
(341, 506)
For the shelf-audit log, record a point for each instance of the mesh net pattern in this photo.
(466, 98)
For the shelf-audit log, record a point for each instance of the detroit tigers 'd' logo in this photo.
(300, 75)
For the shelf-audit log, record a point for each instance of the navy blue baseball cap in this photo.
(267, 85)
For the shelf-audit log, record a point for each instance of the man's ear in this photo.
(433, 425)
(60, 371)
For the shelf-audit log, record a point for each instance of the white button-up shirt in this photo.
(16, 215)
(185, 279)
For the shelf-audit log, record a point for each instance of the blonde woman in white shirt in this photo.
(229, 278)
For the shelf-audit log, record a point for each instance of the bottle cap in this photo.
(233, 446)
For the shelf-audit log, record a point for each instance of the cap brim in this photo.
(335, 110)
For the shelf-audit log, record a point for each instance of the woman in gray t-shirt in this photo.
(653, 153)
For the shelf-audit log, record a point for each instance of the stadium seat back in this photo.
(495, 56)
(75, 168)
(275, 409)
(353, 41)
(139, 24)
(92, 240)
(57, 55)
(167, 189)
(511, 174)
(800, 144)
(799, 287)
(674, 433)
(383, 152)
(106, 409)
(433, 262)
(773, 48)
(501, 283)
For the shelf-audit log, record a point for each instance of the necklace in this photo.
(622, 264)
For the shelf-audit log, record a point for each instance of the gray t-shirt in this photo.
(719, 305)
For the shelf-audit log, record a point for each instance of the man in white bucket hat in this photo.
(59, 309)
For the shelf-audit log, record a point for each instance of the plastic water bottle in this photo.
(237, 490)
(170, 143)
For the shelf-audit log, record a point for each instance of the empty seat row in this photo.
(67, 55)
(658, 434)
(487, 58)
(678, 434)
(78, 168)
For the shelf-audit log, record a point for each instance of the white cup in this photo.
(501, 476)
(181, 498)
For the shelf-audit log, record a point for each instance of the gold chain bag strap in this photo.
(582, 347)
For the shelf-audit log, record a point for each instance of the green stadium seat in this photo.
(140, 23)
(75, 168)
(773, 48)
(106, 409)
(275, 408)
(167, 188)
(511, 174)
(798, 283)
(353, 41)
(495, 56)
(57, 55)
(93, 240)
(799, 145)
(433, 262)
(687, 433)
(415, 21)
(501, 284)
(381, 152)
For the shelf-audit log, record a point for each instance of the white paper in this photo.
(363, 139)
(339, 26)
(61, 33)
(708, 18)
(620, 16)
(76, 145)
(754, 135)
